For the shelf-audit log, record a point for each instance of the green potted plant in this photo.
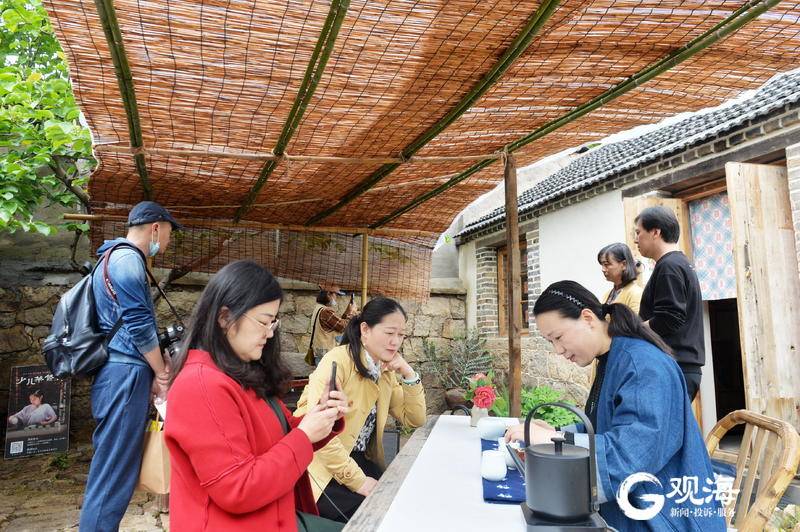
(466, 357)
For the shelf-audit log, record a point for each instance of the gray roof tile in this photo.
(607, 162)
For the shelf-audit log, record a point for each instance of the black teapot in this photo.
(560, 481)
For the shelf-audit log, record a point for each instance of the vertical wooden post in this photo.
(514, 288)
(364, 268)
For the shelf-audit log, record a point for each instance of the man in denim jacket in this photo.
(122, 389)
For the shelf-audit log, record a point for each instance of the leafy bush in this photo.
(533, 397)
(467, 356)
(785, 519)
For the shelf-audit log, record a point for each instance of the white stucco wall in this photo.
(571, 237)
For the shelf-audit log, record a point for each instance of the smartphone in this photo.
(352, 297)
(332, 385)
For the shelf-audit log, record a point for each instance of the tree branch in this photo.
(62, 176)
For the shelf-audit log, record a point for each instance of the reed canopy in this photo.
(277, 130)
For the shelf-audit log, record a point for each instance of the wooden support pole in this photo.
(364, 268)
(513, 289)
(227, 224)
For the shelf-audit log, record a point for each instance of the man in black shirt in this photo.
(671, 303)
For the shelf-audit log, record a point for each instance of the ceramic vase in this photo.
(476, 414)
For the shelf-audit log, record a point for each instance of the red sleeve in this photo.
(338, 427)
(205, 419)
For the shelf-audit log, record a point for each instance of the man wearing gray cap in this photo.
(136, 369)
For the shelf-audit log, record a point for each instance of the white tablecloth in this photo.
(443, 489)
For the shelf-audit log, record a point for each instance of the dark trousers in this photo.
(693, 378)
(345, 500)
(120, 403)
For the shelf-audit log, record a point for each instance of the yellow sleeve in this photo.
(634, 297)
(333, 456)
(407, 404)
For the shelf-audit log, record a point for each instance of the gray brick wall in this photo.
(486, 288)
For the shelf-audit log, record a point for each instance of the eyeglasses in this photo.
(267, 326)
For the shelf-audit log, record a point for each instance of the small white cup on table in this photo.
(493, 466)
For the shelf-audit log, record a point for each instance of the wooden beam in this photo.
(514, 290)
(739, 18)
(517, 47)
(319, 59)
(702, 191)
(270, 156)
(400, 233)
(364, 268)
(116, 47)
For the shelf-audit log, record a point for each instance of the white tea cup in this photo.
(503, 447)
(490, 428)
(493, 466)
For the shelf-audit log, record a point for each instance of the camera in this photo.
(170, 339)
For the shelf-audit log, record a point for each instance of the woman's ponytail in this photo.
(625, 322)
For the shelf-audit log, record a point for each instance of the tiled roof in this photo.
(607, 162)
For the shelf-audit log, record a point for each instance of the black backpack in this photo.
(76, 347)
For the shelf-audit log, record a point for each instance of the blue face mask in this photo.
(154, 248)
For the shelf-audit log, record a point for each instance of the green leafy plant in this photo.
(531, 397)
(785, 519)
(467, 356)
(45, 150)
(60, 461)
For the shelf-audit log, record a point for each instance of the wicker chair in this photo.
(756, 471)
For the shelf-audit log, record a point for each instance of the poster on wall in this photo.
(38, 413)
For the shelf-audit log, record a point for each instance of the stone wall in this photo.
(26, 313)
(541, 366)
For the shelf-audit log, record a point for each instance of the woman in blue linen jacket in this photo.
(640, 411)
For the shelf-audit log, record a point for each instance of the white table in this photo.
(434, 484)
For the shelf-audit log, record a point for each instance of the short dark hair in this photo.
(239, 286)
(569, 298)
(661, 218)
(323, 298)
(372, 314)
(621, 252)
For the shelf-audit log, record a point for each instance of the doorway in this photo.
(728, 370)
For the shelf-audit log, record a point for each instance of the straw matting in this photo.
(223, 76)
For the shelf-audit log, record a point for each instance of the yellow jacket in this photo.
(405, 403)
(630, 295)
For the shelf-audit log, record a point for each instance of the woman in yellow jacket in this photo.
(619, 267)
(373, 373)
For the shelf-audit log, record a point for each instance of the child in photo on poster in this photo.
(37, 412)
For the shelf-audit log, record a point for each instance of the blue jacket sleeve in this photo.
(129, 279)
(646, 428)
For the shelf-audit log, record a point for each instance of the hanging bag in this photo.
(154, 475)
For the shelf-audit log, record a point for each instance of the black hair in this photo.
(239, 286)
(37, 393)
(660, 217)
(372, 314)
(323, 298)
(621, 252)
(569, 298)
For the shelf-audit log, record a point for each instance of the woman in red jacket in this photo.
(238, 456)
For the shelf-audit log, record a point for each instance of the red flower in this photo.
(484, 397)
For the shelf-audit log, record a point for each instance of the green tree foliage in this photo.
(45, 150)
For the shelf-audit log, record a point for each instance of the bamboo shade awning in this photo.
(384, 114)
